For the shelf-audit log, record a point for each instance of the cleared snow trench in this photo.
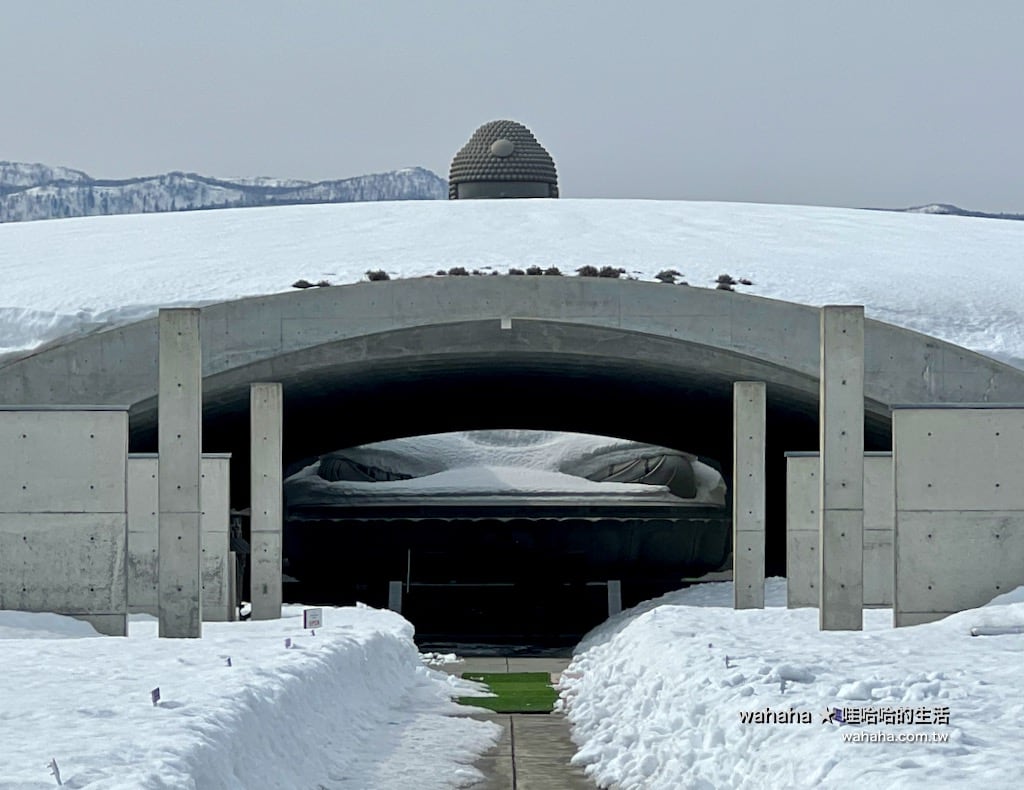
(352, 706)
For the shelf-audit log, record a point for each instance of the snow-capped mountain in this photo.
(35, 191)
(956, 211)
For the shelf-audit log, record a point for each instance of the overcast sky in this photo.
(845, 102)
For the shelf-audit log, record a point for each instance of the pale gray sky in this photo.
(832, 102)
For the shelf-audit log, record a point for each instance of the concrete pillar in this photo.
(614, 597)
(179, 438)
(266, 499)
(841, 504)
(395, 596)
(748, 494)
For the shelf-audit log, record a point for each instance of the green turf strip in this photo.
(517, 692)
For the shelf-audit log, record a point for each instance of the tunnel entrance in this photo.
(537, 577)
(554, 377)
(676, 409)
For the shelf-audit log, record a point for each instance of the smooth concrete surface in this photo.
(748, 494)
(214, 495)
(143, 534)
(266, 521)
(532, 753)
(215, 523)
(959, 492)
(614, 597)
(841, 479)
(63, 513)
(395, 596)
(179, 576)
(879, 530)
(802, 495)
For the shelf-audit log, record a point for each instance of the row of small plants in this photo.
(723, 282)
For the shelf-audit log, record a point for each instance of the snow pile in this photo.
(656, 697)
(953, 277)
(351, 707)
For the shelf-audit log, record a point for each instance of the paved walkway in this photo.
(534, 749)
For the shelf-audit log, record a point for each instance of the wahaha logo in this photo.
(769, 716)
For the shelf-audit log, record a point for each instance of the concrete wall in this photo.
(802, 470)
(959, 496)
(215, 523)
(63, 519)
(214, 493)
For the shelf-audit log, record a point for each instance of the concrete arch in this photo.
(120, 363)
(646, 361)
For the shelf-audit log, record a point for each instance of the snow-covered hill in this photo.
(954, 277)
(32, 191)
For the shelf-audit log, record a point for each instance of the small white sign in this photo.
(312, 618)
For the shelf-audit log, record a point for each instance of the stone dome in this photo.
(502, 159)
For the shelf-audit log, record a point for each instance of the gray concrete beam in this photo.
(748, 494)
(180, 447)
(841, 501)
(266, 402)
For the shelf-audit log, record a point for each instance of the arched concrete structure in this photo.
(645, 361)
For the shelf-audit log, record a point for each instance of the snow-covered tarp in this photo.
(498, 462)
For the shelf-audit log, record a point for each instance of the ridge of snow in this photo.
(351, 707)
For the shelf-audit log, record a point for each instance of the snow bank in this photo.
(656, 695)
(952, 277)
(351, 707)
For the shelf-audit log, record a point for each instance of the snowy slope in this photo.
(656, 697)
(954, 277)
(351, 707)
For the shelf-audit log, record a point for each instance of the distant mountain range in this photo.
(947, 208)
(35, 191)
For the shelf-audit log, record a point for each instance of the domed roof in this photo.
(501, 151)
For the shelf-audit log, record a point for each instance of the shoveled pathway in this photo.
(534, 749)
